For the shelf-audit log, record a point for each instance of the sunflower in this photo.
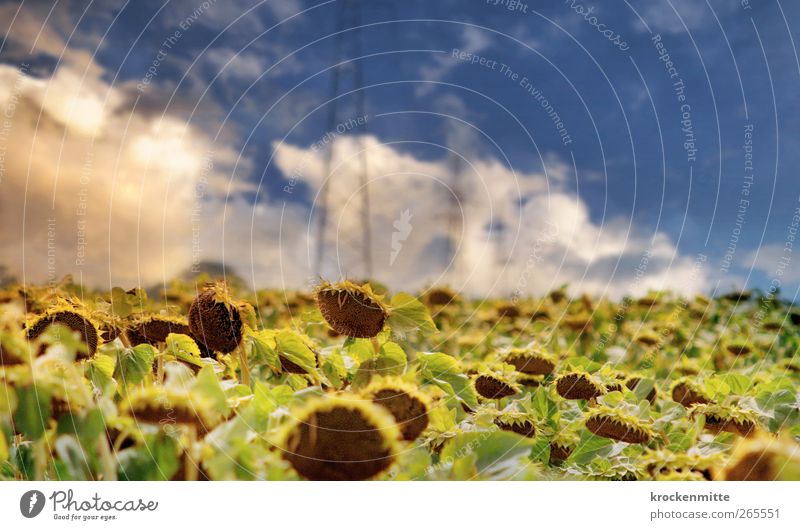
(579, 385)
(730, 419)
(492, 385)
(340, 438)
(74, 317)
(214, 319)
(686, 392)
(352, 310)
(531, 361)
(407, 404)
(763, 457)
(617, 425)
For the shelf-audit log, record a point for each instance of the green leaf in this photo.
(73, 457)
(87, 427)
(206, 386)
(543, 406)
(590, 447)
(157, 459)
(121, 302)
(409, 314)
(261, 348)
(360, 350)
(100, 371)
(33, 412)
(183, 348)
(494, 455)
(717, 388)
(292, 348)
(739, 384)
(443, 371)
(392, 359)
(643, 388)
(134, 364)
(8, 400)
(333, 368)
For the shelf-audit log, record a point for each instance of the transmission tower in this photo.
(353, 256)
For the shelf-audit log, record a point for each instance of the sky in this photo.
(504, 148)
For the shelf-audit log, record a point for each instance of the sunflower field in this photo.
(346, 381)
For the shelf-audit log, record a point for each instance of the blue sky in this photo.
(251, 81)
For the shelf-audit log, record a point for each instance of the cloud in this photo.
(774, 260)
(670, 16)
(473, 40)
(115, 198)
(514, 231)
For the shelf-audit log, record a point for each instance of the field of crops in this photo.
(350, 382)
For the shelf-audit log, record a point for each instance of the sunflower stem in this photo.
(375, 345)
(107, 459)
(243, 366)
(190, 468)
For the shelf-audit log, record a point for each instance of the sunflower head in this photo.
(658, 462)
(214, 319)
(531, 360)
(492, 385)
(352, 310)
(340, 438)
(579, 384)
(153, 329)
(75, 317)
(407, 404)
(165, 406)
(730, 419)
(513, 420)
(687, 392)
(739, 348)
(617, 425)
(763, 457)
(440, 296)
(580, 323)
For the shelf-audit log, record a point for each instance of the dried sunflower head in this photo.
(214, 319)
(763, 457)
(75, 317)
(580, 323)
(407, 404)
(440, 296)
(352, 310)
(340, 438)
(730, 419)
(167, 406)
(579, 384)
(687, 392)
(531, 360)
(617, 425)
(739, 348)
(663, 461)
(492, 385)
(513, 420)
(153, 329)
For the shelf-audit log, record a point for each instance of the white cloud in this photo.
(109, 194)
(774, 261)
(670, 16)
(473, 40)
(556, 240)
